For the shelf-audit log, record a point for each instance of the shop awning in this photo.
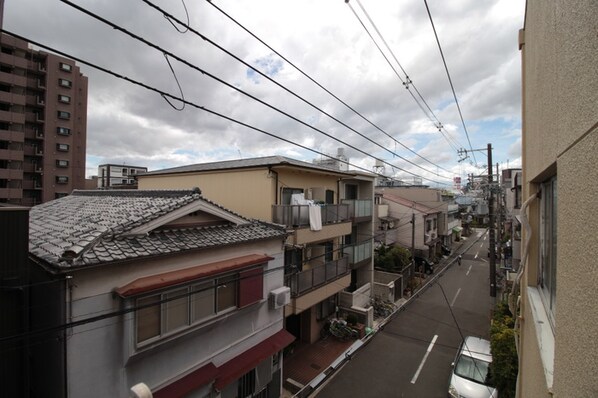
(241, 364)
(457, 229)
(187, 384)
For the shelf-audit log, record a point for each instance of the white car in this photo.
(470, 375)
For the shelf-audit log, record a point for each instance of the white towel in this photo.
(315, 217)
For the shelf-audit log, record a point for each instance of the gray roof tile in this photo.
(90, 228)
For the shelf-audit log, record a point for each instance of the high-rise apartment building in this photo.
(43, 124)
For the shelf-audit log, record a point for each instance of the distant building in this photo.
(43, 124)
(341, 162)
(118, 176)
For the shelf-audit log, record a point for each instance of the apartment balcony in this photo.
(11, 154)
(32, 184)
(10, 59)
(11, 193)
(16, 99)
(11, 174)
(309, 280)
(12, 117)
(335, 221)
(12, 136)
(32, 168)
(360, 210)
(359, 254)
(13, 80)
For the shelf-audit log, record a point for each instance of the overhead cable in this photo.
(189, 28)
(450, 80)
(322, 87)
(233, 87)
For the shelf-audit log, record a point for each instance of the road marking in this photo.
(484, 260)
(467, 273)
(476, 255)
(421, 365)
(455, 298)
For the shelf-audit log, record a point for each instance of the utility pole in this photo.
(492, 240)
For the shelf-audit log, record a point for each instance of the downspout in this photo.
(276, 182)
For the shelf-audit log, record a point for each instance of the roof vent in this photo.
(196, 190)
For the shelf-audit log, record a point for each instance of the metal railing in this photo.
(359, 207)
(298, 215)
(307, 280)
(359, 252)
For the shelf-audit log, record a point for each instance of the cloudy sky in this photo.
(324, 40)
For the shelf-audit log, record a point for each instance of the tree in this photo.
(505, 364)
(392, 258)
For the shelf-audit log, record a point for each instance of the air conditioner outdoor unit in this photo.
(280, 297)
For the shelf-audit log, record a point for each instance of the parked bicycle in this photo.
(339, 329)
(382, 309)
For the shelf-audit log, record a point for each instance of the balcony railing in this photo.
(298, 215)
(358, 253)
(359, 208)
(307, 280)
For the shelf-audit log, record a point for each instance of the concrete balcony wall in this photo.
(16, 99)
(12, 117)
(14, 136)
(313, 297)
(11, 174)
(328, 232)
(358, 298)
(9, 154)
(11, 193)
(13, 80)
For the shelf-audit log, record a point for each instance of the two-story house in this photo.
(449, 224)
(327, 212)
(417, 226)
(164, 288)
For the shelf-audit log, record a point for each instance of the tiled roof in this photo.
(246, 163)
(91, 228)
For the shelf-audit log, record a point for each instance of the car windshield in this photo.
(473, 369)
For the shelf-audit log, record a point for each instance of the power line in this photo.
(204, 72)
(322, 87)
(450, 80)
(189, 28)
(407, 82)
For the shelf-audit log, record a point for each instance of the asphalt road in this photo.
(412, 355)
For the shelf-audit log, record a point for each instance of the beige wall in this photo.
(247, 192)
(560, 136)
(250, 193)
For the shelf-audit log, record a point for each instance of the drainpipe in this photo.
(276, 182)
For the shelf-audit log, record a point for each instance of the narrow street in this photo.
(412, 355)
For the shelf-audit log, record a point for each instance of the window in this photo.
(65, 67)
(164, 313)
(62, 163)
(63, 131)
(65, 83)
(62, 147)
(428, 225)
(548, 245)
(62, 179)
(64, 115)
(64, 98)
(326, 308)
